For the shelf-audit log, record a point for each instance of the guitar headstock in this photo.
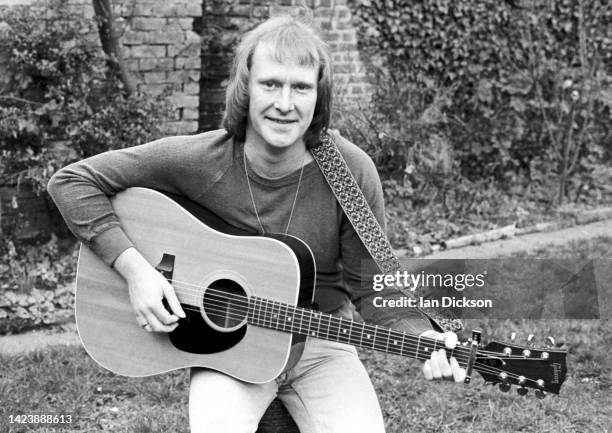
(542, 369)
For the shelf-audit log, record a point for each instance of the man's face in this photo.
(282, 98)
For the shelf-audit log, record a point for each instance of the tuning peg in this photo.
(540, 394)
(504, 387)
(531, 340)
(522, 390)
(550, 342)
(512, 336)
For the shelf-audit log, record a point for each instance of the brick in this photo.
(178, 10)
(342, 14)
(342, 26)
(183, 76)
(134, 38)
(191, 50)
(350, 37)
(141, 23)
(193, 10)
(333, 37)
(180, 127)
(157, 89)
(182, 100)
(182, 23)
(88, 12)
(144, 9)
(187, 63)
(163, 37)
(191, 88)
(347, 47)
(155, 77)
(190, 114)
(147, 51)
(162, 64)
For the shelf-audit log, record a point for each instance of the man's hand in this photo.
(438, 366)
(147, 290)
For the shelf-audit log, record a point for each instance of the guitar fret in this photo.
(282, 316)
(374, 337)
(388, 338)
(316, 317)
(268, 314)
(300, 327)
(290, 317)
(275, 310)
(339, 320)
(361, 334)
(256, 311)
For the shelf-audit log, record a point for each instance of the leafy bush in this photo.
(58, 100)
(527, 85)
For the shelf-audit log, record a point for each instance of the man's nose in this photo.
(284, 102)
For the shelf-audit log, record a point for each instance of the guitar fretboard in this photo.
(287, 318)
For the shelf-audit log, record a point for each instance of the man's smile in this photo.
(281, 121)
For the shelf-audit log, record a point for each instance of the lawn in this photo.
(61, 380)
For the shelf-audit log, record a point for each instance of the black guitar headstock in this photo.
(542, 369)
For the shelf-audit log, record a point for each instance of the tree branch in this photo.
(111, 45)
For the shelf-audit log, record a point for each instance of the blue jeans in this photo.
(327, 391)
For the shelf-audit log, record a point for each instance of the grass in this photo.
(65, 380)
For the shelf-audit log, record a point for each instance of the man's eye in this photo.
(301, 87)
(269, 84)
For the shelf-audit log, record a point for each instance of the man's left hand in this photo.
(438, 366)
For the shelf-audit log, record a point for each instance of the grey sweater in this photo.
(209, 170)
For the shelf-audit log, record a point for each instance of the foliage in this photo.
(36, 283)
(527, 86)
(59, 103)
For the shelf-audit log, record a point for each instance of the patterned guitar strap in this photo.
(357, 210)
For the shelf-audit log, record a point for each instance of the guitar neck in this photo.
(287, 318)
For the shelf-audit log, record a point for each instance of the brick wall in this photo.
(184, 47)
(225, 20)
(163, 53)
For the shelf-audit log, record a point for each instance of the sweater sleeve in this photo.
(81, 190)
(359, 267)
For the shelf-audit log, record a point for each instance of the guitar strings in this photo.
(479, 366)
(199, 290)
(297, 309)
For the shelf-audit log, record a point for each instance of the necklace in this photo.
(297, 190)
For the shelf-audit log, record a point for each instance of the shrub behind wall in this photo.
(530, 84)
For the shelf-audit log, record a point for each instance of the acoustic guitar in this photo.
(249, 301)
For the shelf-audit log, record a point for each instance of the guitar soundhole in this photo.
(225, 305)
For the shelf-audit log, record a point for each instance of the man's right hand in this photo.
(147, 289)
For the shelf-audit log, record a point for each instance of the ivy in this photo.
(530, 86)
(58, 100)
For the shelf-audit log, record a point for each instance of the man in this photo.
(257, 174)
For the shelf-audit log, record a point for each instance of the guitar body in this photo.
(202, 256)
